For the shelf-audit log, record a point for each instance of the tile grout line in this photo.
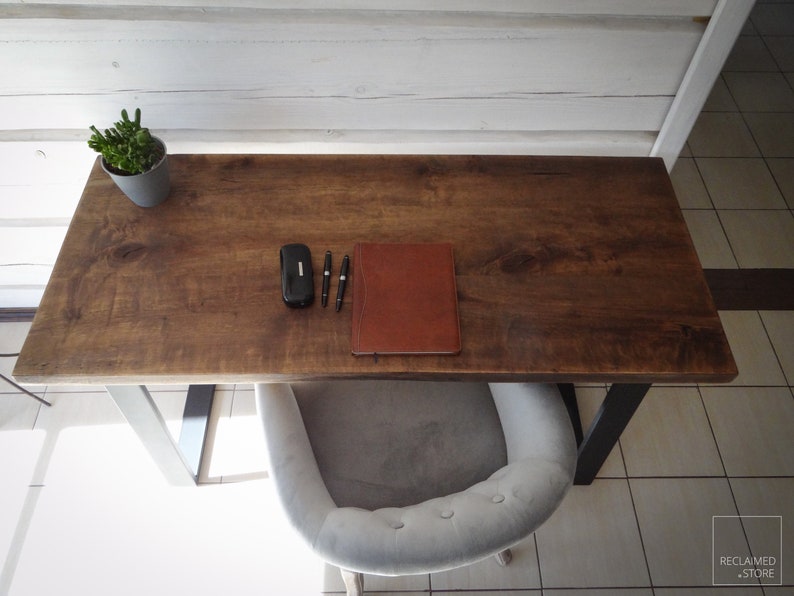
(774, 349)
(725, 470)
(708, 191)
(25, 518)
(537, 559)
(639, 532)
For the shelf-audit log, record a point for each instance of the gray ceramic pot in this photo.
(148, 189)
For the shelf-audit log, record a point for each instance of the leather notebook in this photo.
(404, 299)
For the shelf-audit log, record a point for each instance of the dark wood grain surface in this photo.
(568, 269)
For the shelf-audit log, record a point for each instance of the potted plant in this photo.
(135, 160)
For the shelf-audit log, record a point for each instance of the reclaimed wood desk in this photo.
(569, 270)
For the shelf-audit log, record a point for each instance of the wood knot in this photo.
(516, 261)
(129, 252)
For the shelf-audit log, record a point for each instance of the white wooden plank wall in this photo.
(415, 76)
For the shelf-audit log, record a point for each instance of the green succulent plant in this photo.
(128, 148)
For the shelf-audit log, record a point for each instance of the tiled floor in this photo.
(84, 512)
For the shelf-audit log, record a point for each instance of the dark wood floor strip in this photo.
(732, 289)
(16, 315)
(752, 289)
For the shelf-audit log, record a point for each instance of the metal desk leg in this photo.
(195, 421)
(621, 402)
(144, 417)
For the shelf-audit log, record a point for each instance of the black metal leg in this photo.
(569, 397)
(621, 402)
(195, 420)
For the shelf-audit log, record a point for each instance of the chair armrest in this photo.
(438, 534)
(535, 422)
(450, 531)
(300, 486)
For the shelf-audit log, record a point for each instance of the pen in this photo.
(326, 277)
(342, 278)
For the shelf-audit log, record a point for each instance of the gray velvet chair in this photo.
(404, 477)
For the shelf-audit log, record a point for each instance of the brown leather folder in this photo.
(404, 299)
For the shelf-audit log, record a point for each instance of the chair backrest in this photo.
(399, 443)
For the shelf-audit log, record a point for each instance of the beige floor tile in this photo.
(717, 134)
(773, 18)
(783, 171)
(720, 99)
(171, 388)
(722, 591)
(590, 400)
(782, 48)
(87, 439)
(6, 367)
(12, 336)
(711, 243)
(592, 540)
(773, 132)
(171, 405)
(752, 350)
(104, 505)
(597, 592)
(18, 412)
(244, 401)
(74, 410)
(19, 454)
(740, 183)
(118, 536)
(675, 517)
(521, 573)
(752, 426)
(780, 328)
(750, 53)
(9, 389)
(487, 593)
(669, 435)
(768, 497)
(760, 91)
(240, 452)
(216, 442)
(779, 591)
(376, 584)
(760, 239)
(65, 389)
(689, 186)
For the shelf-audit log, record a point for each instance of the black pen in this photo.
(342, 278)
(326, 277)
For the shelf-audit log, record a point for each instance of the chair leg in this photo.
(504, 557)
(354, 582)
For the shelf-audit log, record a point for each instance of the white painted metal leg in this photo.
(724, 27)
(141, 412)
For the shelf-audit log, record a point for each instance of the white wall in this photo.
(605, 77)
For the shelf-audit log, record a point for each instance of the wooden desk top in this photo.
(568, 269)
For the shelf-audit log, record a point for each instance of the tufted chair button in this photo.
(396, 525)
(498, 498)
(447, 514)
